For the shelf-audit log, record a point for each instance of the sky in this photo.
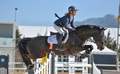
(41, 12)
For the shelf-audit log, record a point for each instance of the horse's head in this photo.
(96, 32)
(99, 38)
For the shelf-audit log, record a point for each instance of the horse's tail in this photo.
(22, 49)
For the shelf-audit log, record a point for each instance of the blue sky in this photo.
(41, 12)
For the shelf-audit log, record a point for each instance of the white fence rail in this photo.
(73, 65)
(50, 63)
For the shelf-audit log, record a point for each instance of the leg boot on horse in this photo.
(58, 47)
(89, 48)
(27, 58)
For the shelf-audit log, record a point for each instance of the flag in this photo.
(118, 18)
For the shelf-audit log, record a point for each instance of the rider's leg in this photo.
(60, 30)
(58, 47)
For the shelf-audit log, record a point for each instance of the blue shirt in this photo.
(65, 21)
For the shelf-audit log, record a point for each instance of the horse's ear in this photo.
(103, 29)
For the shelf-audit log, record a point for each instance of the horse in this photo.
(38, 47)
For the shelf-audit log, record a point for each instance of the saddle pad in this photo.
(53, 39)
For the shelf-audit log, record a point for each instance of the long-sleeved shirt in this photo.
(65, 21)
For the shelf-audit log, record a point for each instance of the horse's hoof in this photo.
(82, 56)
(79, 55)
(87, 55)
(78, 59)
(28, 68)
(31, 66)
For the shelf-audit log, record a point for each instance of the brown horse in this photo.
(37, 47)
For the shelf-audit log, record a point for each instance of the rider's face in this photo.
(74, 13)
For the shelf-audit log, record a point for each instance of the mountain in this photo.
(108, 20)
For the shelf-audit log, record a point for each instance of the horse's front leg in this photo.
(77, 49)
(89, 48)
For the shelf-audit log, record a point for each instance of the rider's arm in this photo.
(66, 24)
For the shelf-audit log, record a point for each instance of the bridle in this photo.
(84, 37)
(98, 42)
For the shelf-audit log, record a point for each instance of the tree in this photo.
(110, 42)
(18, 35)
(17, 54)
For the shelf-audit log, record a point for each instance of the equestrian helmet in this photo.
(72, 8)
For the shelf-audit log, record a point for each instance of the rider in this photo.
(63, 22)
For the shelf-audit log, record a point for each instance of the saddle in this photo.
(54, 36)
(58, 34)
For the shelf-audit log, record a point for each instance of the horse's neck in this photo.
(88, 33)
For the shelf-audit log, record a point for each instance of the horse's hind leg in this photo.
(30, 65)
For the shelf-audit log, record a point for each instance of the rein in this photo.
(80, 34)
(84, 37)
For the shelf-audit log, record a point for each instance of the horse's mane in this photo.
(89, 26)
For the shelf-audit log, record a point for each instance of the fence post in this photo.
(89, 63)
(53, 63)
(92, 59)
(101, 70)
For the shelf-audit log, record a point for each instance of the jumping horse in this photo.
(37, 47)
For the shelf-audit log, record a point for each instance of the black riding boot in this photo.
(58, 47)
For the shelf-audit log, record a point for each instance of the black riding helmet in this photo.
(72, 8)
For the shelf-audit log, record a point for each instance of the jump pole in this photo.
(52, 61)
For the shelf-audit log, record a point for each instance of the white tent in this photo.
(32, 31)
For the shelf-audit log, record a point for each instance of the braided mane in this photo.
(89, 26)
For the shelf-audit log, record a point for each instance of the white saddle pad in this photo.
(53, 39)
